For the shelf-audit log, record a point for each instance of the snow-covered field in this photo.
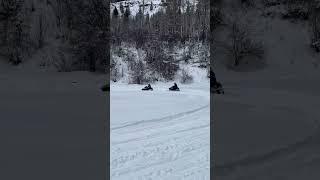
(267, 127)
(160, 134)
(267, 124)
(52, 125)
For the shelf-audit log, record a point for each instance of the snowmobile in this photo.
(217, 88)
(105, 88)
(147, 88)
(174, 88)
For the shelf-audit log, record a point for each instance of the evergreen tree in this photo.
(15, 32)
(151, 6)
(121, 8)
(90, 40)
(127, 13)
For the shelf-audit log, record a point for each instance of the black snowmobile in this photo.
(147, 88)
(174, 88)
(216, 87)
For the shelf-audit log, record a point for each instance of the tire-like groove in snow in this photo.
(157, 135)
(163, 119)
(227, 168)
(167, 141)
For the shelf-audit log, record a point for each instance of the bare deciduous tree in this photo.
(9, 11)
(314, 21)
(137, 72)
(14, 31)
(240, 43)
(90, 37)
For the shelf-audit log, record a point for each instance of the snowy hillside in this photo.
(159, 134)
(135, 5)
(37, 33)
(273, 129)
(193, 67)
(150, 6)
(50, 123)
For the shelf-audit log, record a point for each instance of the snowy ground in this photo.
(278, 128)
(160, 134)
(52, 125)
(266, 126)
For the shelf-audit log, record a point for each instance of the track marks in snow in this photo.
(267, 157)
(288, 157)
(176, 147)
(159, 120)
(164, 157)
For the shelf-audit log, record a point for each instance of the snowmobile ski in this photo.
(174, 90)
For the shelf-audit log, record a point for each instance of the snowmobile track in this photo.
(174, 145)
(163, 119)
(273, 155)
(227, 168)
(157, 135)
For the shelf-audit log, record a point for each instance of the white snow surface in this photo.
(267, 126)
(267, 123)
(160, 134)
(51, 124)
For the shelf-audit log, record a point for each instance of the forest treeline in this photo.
(178, 21)
(76, 32)
(176, 25)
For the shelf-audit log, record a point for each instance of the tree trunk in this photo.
(5, 29)
(92, 62)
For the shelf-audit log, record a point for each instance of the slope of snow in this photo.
(52, 125)
(278, 125)
(160, 134)
(273, 130)
(198, 56)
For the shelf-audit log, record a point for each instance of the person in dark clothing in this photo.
(213, 77)
(174, 87)
(105, 88)
(217, 86)
(147, 87)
